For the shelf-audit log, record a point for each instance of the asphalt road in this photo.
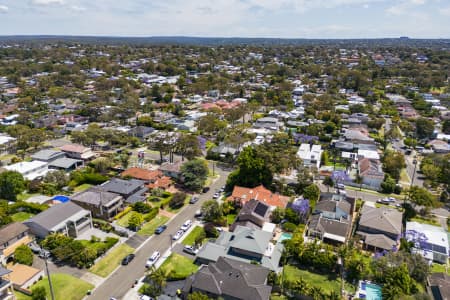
(122, 279)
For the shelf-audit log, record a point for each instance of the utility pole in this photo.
(171, 240)
(45, 256)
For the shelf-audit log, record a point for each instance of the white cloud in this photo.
(445, 11)
(47, 2)
(405, 7)
(3, 9)
(77, 8)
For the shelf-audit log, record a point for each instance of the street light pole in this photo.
(45, 256)
(171, 240)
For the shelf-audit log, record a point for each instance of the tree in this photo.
(211, 211)
(177, 200)
(277, 215)
(424, 128)
(312, 193)
(211, 124)
(393, 163)
(38, 293)
(23, 255)
(328, 181)
(135, 220)
(141, 207)
(197, 296)
(157, 281)
(188, 146)
(12, 183)
(194, 174)
(421, 196)
(58, 177)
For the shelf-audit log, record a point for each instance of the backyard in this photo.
(111, 261)
(192, 236)
(149, 227)
(64, 286)
(21, 216)
(178, 267)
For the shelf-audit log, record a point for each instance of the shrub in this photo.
(152, 214)
(210, 230)
(290, 227)
(123, 213)
(110, 241)
(23, 255)
(141, 207)
(38, 293)
(166, 194)
(154, 199)
(177, 200)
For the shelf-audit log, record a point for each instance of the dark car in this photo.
(205, 189)
(160, 229)
(193, 200)
(127, 259)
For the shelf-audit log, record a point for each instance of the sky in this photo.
(228, 18)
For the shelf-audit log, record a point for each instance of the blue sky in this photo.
(228, 18)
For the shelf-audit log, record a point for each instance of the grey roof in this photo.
(232, 278)
(440, 285)
(47, 155)
(55, 215)
(4, 271)
(253, 214)
(64, 162)
(382, 218)
(95, 195)
(137, 197)
(380, 241)
(122, 186)
(324, 225)
(10, 231)
(248, 239)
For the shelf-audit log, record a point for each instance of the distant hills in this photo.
(216, 41)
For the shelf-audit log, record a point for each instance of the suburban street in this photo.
(123, 278)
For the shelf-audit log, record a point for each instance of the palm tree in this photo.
(158, 278)
(317, 293)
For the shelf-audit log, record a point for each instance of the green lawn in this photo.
(21, 216)
(82, 187)
(124, 220)
(439, 268)
(24, 196)
(422, 220)
(327, 283)
(190, 238)
(231, 218)
(110, 262)
(65, 286)
(178, 267)
(150, 227)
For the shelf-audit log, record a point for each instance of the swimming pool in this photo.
(284, 236)
(373, 292)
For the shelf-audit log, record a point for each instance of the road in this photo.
(123, 278)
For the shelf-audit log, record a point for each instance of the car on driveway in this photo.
(186, 225)
(194, 199)
(34, 247)
(216, 195)
(152, 259)
(160, 229)
(190, 249)
(127, 259)
(177, 235)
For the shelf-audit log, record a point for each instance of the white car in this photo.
(186, 225)
(177, 235)
(152, 259)
(190, 249)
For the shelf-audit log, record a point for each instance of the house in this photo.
(78, 152)
(29, 169)
(244, 244)
(439, 146)
(141, 132)
(6, 288)
(65, 164)
(254, 214)
(380, 227)
(153, 178)
(131, 190)
(102, 204)
(48, 155)
(12, 236)
(438, 286)
(310, 155)
(242, 195)
(23, 276)
(7, 143)
(230, 279)
(371, 172)
(223, 149)
(358, 135)
(268, 123)
(429, 241)
(172, 170)
(331, 219)
(65, 218)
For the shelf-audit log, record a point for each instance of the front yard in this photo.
(178, 267)
(21, 216)
(111, 261)
(149, 227)
(439, 268)
(64, 286)
(192, 236)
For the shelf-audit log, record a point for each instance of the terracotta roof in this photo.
(22, 273)
(164, 183)
(74, 148)
(142, 174)
(260, 193)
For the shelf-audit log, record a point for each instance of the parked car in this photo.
(34, 247)
(186, 225)
(198, 213)
(177, 235)
(190, 249)
(205, 189)
(127, 259)
(216, 195)
(341, 186)
(145, 297)
(194, 199)
(44, 253)
(160, 229)
(152, 259)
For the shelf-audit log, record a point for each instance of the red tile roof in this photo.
(142, 174)
(260, 193)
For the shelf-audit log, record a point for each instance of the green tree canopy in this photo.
(194, 173)
(12, 183)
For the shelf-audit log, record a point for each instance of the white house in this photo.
(29, 169)
(310, 155)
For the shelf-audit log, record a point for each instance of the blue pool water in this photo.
(373, 292)
(284, 236)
